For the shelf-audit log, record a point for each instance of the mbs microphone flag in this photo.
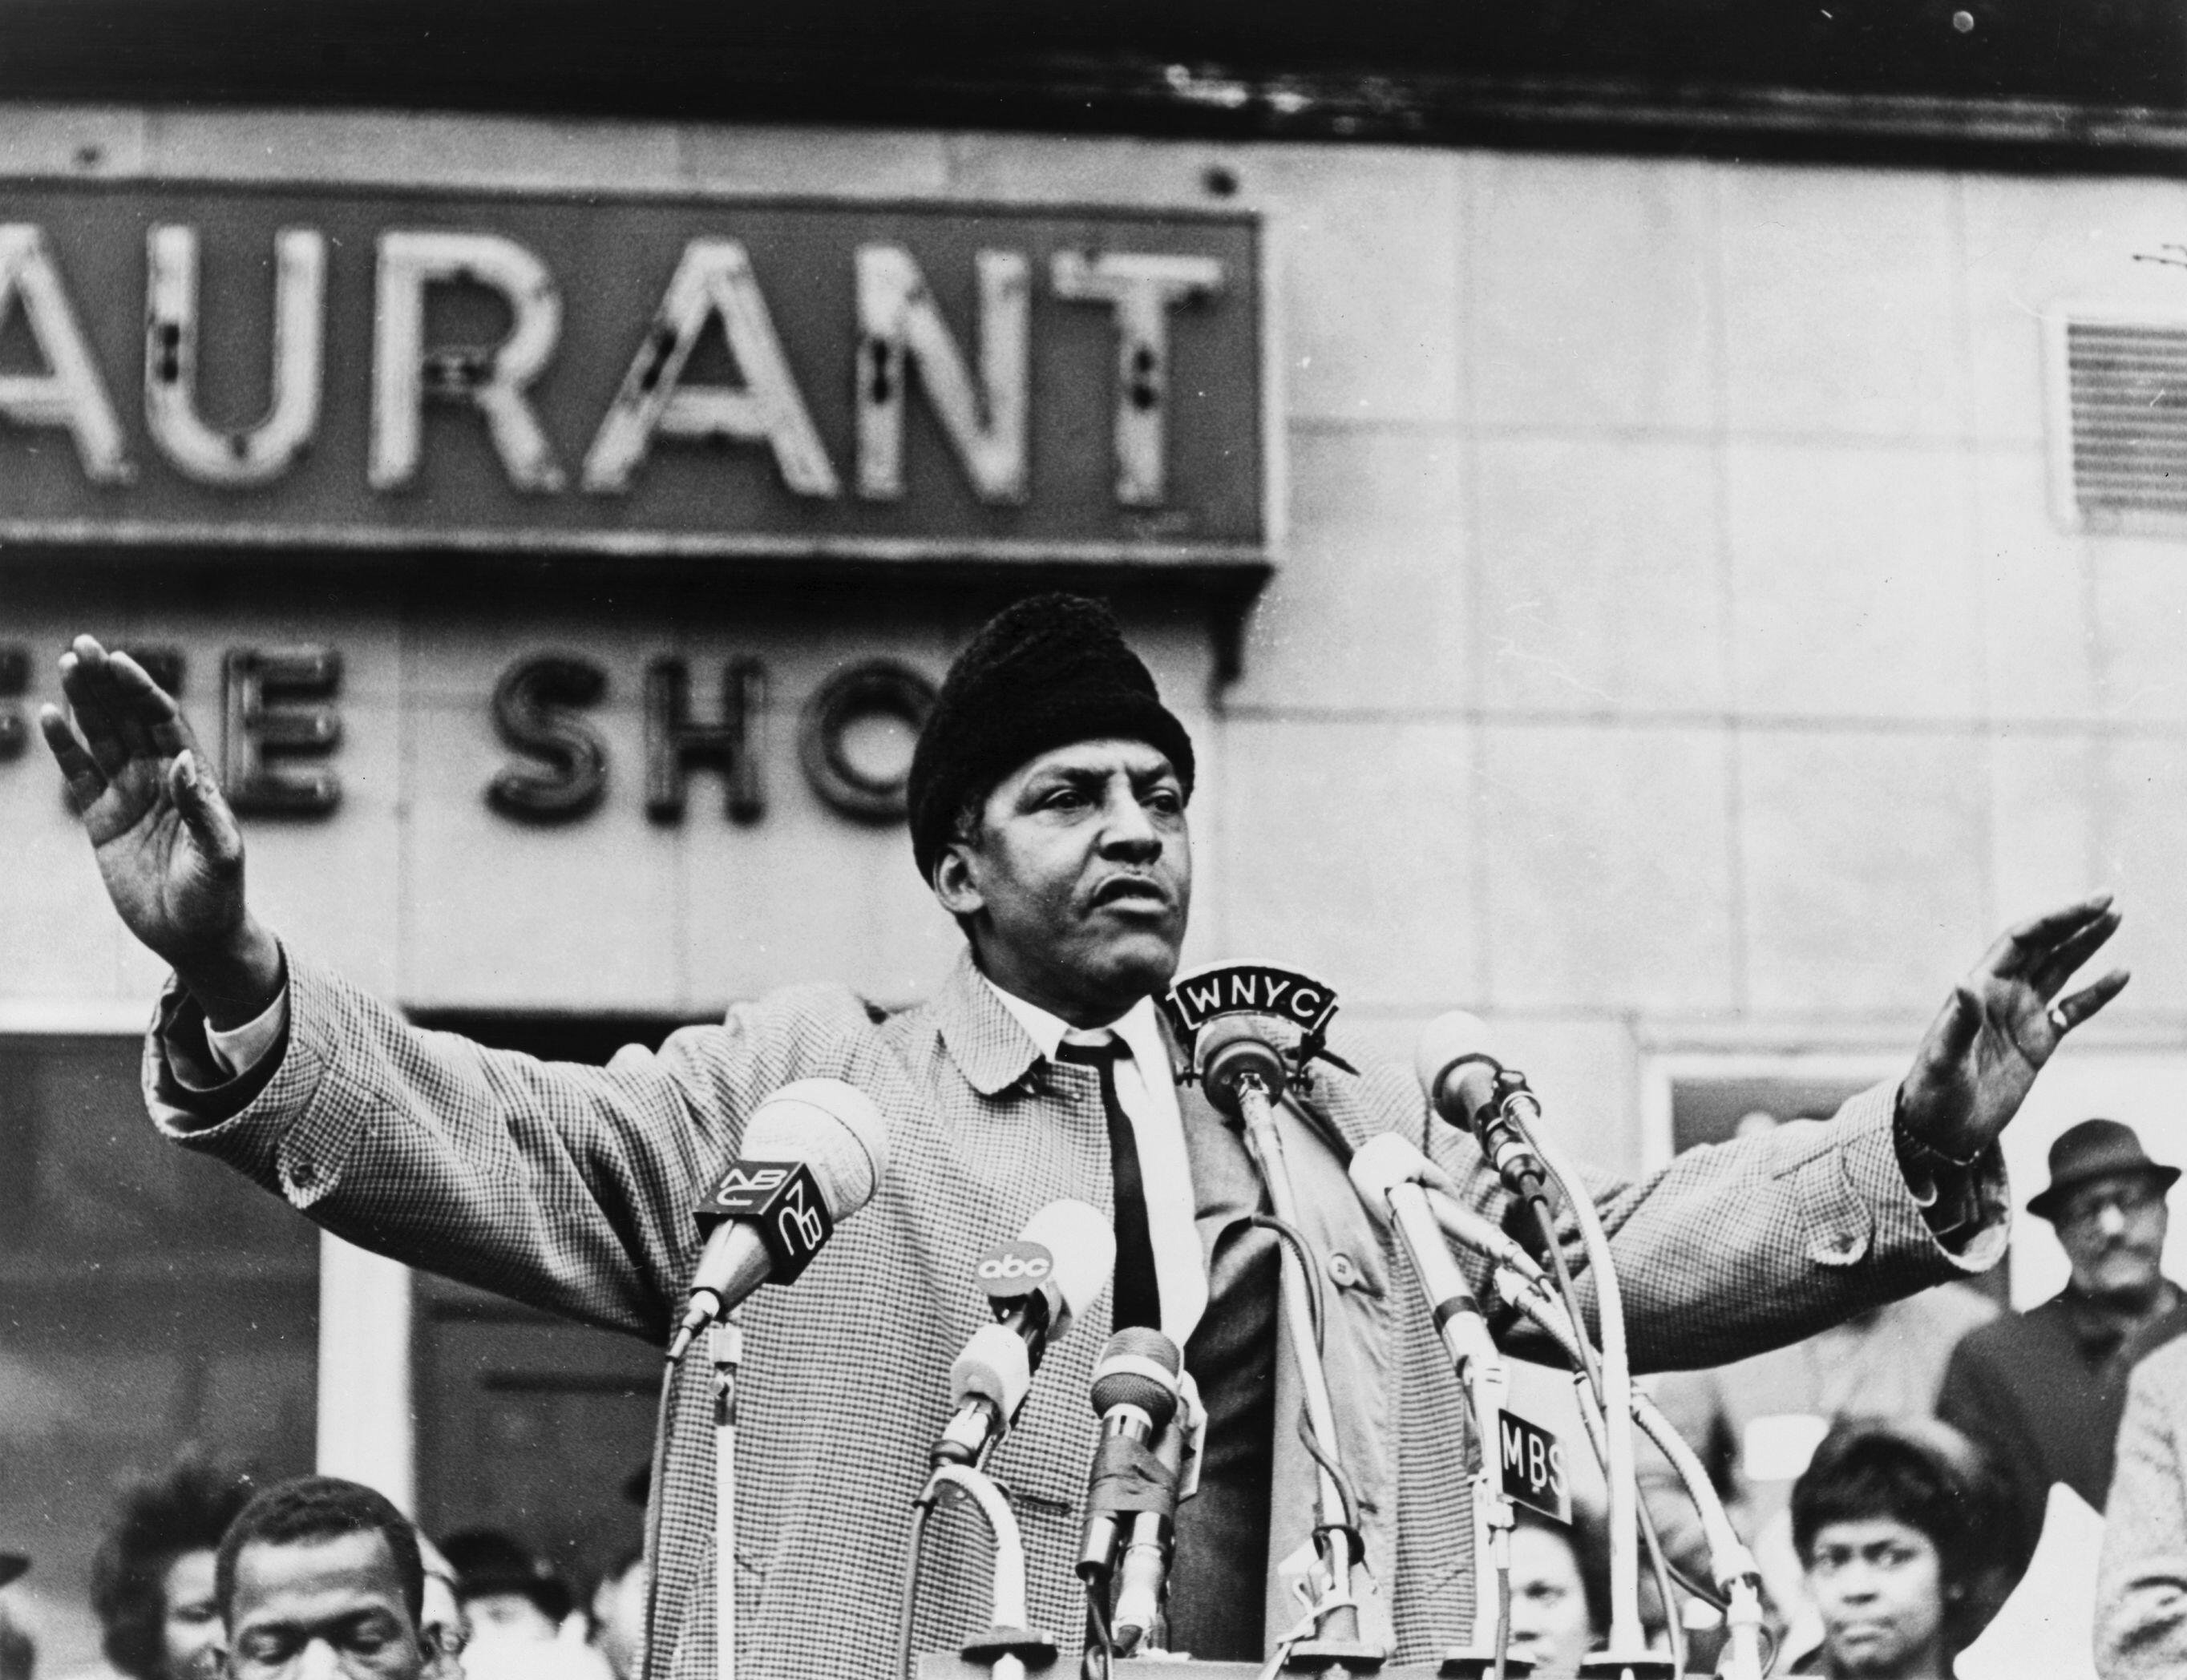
(780, 1200)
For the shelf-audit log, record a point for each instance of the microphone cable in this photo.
(922, 1508)
(1538, 1201)
(656, 1502)
(1295, 1241)
(1103, 1639)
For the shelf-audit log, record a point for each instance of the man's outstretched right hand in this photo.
(166, 843)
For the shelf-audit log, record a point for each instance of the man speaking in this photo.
(1048, 796)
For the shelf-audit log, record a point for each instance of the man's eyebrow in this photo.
(1076, 775)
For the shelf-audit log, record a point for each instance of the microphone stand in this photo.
(1479, 1363)
(1509, 1139)
(725, 1347)
(1244, 1075)
(1008, 1647)
(1525, 1288)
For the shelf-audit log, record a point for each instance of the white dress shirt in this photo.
(1146, 1091)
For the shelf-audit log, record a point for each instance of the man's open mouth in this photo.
(1129, 889)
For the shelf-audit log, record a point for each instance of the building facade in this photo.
(1655, 603)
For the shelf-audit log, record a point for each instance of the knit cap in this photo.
(1048, 671)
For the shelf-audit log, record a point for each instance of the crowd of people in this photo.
(185, 1588)
(1895, 1473)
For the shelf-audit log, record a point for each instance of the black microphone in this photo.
(1473, 1091)
(1036, 1287)
(1135, 1397)
(1143, 1573)
(1232, 1049)
(811, 1156)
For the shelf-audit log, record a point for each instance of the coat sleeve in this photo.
(1735, 1249)
(2141, 1587)
(564, 1186)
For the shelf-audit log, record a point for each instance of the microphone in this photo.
(1151, 1540)
(1232, 1049)
(1392, 1178)
(811, 1155)
(1036, 1286)
(1397, 1159)
(1473, 1091)
(1135, 1398)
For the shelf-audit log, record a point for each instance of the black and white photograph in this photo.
(1092, 841)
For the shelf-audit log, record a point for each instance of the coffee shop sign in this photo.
(280, 725)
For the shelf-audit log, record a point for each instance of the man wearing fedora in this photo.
(2046, 1388)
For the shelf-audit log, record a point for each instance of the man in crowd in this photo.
(2141, 1584)
(319, 1577)
(518, 1610)
(2045, 1389)
(1048, 797)
(1897, 1525)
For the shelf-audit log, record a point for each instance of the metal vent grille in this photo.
(2120, 444)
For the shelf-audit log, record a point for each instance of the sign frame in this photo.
(1229, 568)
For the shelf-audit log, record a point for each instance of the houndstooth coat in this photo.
(570, 1187)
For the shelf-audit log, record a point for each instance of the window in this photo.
(147, 1298)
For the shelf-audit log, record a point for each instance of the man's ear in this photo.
(955, 881)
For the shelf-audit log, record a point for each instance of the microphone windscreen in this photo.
(1448, 1039)
(1381, 1163)
(1084, 1249)
(1139, 1367)
(834, 1128)
(995, 1367)
(1261, 1040)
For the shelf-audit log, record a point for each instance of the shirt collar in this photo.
(994, 1037)
(1138, 1027)
(991, 1047)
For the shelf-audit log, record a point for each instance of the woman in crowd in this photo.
(1907, 1535)
(1560, 1588)
(152, 1580)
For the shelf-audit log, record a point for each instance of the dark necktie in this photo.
(1137, 1298)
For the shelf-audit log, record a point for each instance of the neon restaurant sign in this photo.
(285, 368)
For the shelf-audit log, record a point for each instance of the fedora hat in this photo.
(2095, 1148)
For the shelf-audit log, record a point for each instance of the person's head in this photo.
(618, 1610)
(1904, 1531)
(318, 1576)
(18, 1652)
(2105, 1198)
(1560, 1588)
(507, 1592)
(440, 1621)
(1047, 800)
(152, 1577)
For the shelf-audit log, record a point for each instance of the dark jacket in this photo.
(2045, 1389)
